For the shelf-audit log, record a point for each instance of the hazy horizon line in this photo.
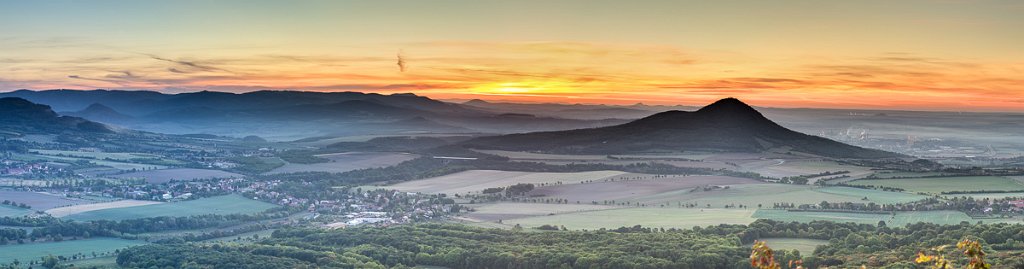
(508, 101)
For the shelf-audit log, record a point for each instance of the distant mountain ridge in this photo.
(22, 116)
(142, 103)
(728, 125)
(100, 112)
(288, 115)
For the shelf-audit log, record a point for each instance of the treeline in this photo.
(869, 187)
(981, 191)
(848, 245)
(16, 204)
(803, 179)
(53, 229)
(453, 246)
(301, 156)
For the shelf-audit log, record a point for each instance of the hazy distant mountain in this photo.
(727, 125)
(566, 111)
(101, 113)
(423, 124)
(21, 116)
(75, 100)
(143, 103)
(290, 114)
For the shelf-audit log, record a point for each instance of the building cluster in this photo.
(35, 169)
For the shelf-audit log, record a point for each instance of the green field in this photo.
(228, 204)
(648, 217)
(898, 219)
(987, 195)
(942, 184)
(11, 211)
(805, 246)
(98, 263)
(751, 195)
(101, 246)
(245, 237)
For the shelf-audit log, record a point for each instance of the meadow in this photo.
(11, 211)
(746, 192)
(227, 204)
(34, 251)
(39, 201)
(789, 168)
(897, 219)
(938, 185)
(805, 246)
(662, 209)
(474, 181)
(77, 209)
(501, 211)
(636, 190)
(94, 263)
(647, 217)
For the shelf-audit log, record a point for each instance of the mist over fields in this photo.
(131, 176)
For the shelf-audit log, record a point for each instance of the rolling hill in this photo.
(728, 125)
(22, 116)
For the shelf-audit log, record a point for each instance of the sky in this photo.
(953, 55)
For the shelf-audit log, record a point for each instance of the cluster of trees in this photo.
(15, 146)
(53, 229)
(511, 191)
(880, 246)
(457, 246)
(453, 246)
(870, 187)
(802, 179)
(13, 203)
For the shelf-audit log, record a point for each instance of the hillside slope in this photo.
(727, 125)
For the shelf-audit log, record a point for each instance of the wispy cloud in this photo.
(190, 64)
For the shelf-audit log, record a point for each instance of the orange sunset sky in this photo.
(922, 55)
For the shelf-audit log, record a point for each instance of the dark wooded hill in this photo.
(728, 125)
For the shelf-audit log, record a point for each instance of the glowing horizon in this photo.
(910, 55)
